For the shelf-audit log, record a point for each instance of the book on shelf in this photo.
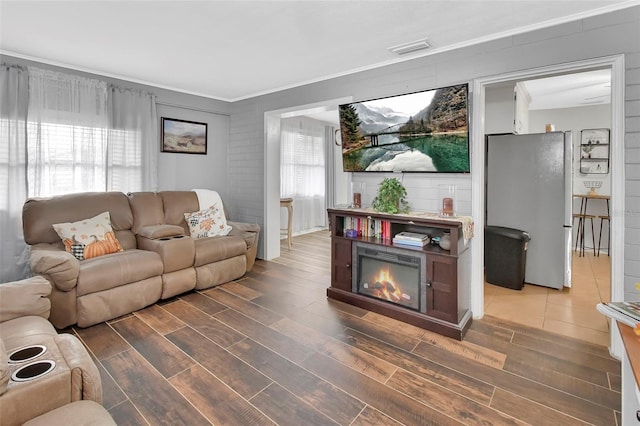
(411, 236)
(626, 312)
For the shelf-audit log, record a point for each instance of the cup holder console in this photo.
(26, 354)
(33, 370)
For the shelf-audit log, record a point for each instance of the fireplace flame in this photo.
(386, 287)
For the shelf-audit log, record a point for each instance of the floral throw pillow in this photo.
(89, 237)
(207, 223)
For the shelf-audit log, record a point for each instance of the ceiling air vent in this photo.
(413, 46)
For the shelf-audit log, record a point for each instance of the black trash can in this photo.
(505, 254)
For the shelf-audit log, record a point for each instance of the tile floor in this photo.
(570, 312)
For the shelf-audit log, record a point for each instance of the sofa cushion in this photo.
(214, 249)
(77, 413)
(147, 210)
(207, 223)
(38, 214)
(176, 204)
(113, 270)
(88, 238)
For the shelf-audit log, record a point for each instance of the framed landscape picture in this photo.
(182, 136)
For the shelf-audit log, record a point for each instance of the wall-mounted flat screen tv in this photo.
(425, 131)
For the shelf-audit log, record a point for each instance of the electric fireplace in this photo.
(390, 274)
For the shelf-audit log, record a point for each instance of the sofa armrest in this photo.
(60, 267)
(156, 232)
(85, 377)
(24, 298)
(250, 232)
(239, 227)
(5, 371)
(247, 231)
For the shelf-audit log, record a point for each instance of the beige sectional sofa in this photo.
(159, 260)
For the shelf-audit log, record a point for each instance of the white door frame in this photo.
(616, 64)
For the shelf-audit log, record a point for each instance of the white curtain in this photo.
(302, 173)
(61, 134)
(67, 133)
(132, 157)
(14, 95)
(85, 135)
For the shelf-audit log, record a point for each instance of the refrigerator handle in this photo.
(568, 179)
(568, 210)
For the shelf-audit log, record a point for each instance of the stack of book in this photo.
(626, 312)
(366, 227)
(411, 239)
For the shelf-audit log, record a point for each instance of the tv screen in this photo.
(425, 131)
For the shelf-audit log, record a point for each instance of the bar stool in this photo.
(288, 203)
(602, 219)
(582, 218)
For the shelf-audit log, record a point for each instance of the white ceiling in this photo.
(571, 90)
(232, 50)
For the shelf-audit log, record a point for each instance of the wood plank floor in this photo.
(270, 348)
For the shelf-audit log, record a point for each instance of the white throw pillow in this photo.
(207, 223)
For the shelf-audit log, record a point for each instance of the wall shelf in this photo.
(594, 151)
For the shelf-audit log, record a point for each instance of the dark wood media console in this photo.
(447, 271)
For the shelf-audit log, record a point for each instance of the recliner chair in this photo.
(50, 397)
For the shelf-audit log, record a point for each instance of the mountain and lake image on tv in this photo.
(425, 131)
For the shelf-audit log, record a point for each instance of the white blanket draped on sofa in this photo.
(208, 198)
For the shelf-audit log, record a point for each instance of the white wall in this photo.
(499, 108)
(189, 171)
(342, 180)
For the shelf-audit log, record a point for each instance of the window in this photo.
(302, 163)
(302, 173)
(84, 135)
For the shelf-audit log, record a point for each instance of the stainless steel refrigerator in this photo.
(529, 187)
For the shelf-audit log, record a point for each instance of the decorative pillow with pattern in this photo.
(207, 223)
(89, 237)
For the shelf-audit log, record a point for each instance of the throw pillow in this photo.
(207, 223)
(90, 237)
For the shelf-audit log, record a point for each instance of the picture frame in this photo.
(183, 136)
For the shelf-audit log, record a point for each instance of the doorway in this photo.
(273, 125)
(617, 172)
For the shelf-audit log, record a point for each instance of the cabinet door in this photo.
(442, 290)
(341, 263)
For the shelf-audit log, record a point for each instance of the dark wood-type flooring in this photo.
(270, 348)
